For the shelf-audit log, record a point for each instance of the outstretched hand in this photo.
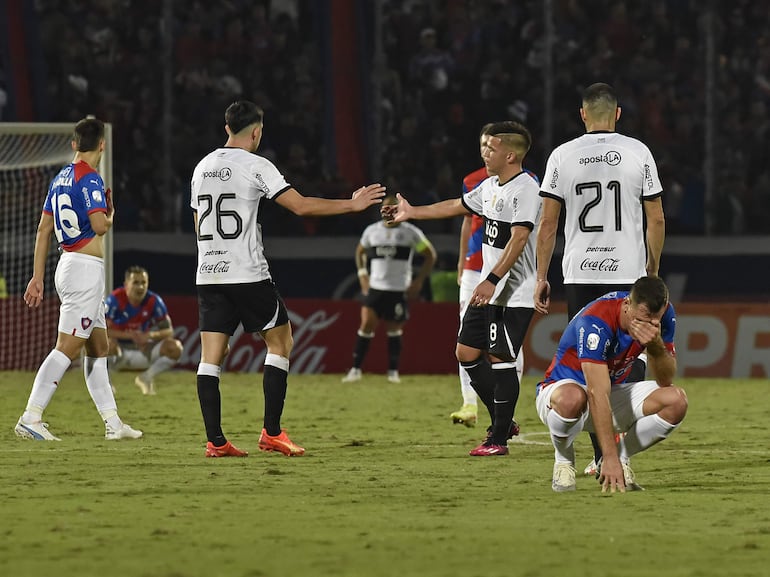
(397, 212)
(368, 195)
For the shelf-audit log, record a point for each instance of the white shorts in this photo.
(133, 359)
(469, 280)
(79, 281)
(626, 401)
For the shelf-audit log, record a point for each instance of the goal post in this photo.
(30, 156)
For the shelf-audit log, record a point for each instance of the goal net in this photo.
(30, 156)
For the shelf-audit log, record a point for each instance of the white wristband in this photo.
(363, 272)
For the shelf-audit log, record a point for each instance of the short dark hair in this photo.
(600, 92)
(136, 269)
(650, 291)
(88, 133)
(241, 114)
(512, 133)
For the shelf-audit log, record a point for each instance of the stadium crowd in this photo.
(449, 67)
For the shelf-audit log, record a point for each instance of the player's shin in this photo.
(482, 380)
(274, 385)
(98, 383)
(505, 398)
(211, 402)
(643, 434)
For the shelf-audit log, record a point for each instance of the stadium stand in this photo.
(450, 66)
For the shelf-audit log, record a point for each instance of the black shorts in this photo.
(579, 295)
(497, 330)
(389, 305)
(258, 306)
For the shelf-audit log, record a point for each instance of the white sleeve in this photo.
(528, 206)
(652, 185)
(551, 185)
(267, 178)
(472, 200)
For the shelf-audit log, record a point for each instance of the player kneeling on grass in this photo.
(140, 330)
(584, 386)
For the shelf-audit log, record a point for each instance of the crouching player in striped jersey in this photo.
(140, 330)
(584, 386)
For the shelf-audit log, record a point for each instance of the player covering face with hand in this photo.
(585, 386)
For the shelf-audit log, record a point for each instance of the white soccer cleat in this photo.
(36, 431)
(353, 375)
(591, 469)
(563, 477)
(124, 432)
(630, 478)
(393, 377)
(146, 385)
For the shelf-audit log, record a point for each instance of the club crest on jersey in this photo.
(592, 342)
(85, 322)
(97, 195)
(499, 204)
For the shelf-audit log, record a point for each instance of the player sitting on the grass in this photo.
(140, 330)
(584, 386)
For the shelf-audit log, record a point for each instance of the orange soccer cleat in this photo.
(281, 443)
(226, 450)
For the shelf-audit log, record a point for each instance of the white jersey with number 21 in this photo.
(602, 179)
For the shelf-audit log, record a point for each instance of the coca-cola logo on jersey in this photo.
(215, 267)
(602, 265)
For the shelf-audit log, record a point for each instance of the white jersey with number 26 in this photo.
(227, 188)
(602, 179)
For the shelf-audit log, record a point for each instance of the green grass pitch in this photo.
(386, 488)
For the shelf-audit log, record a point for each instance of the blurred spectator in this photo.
(447, 71)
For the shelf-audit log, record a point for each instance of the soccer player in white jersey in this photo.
(79, 212)
(233, 277)
(608, 184)
(388, 248)
(501, 306)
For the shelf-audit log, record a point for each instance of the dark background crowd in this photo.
(441, 68)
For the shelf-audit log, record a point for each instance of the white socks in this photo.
(643, 434)
(563, 435)
(98, 383)
(46, 380)
(160, 365)
(469, 395)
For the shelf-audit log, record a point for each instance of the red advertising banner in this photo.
(712, 340)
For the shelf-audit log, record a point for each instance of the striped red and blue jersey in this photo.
(473, 259)
(594, 336)
(124, 316)
(75, 192)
